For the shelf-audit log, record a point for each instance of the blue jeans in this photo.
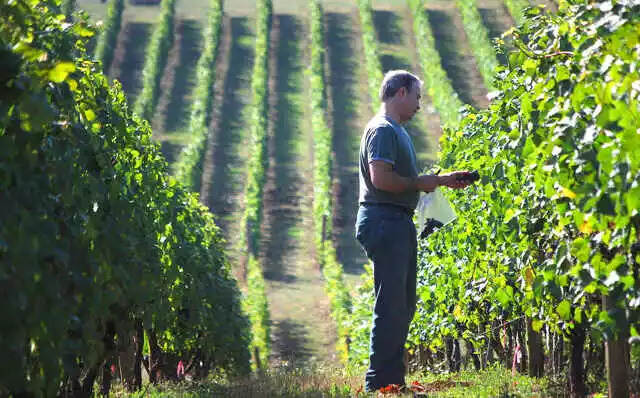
(388, 236)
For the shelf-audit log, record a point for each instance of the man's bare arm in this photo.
(385, 179)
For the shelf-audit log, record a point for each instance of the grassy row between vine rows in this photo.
(256, 301)
(479, 41)
(100, 249)
(335, 286)
(188, 167)
(371, 52)
(156, 56)
(444, 97)
(106, 44)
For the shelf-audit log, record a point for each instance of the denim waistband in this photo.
(390, 206)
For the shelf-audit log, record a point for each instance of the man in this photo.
(389, 191)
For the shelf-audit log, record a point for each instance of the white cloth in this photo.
(434, 205)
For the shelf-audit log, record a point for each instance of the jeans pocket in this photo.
(370, 235)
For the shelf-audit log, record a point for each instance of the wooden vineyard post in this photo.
(475, 357)
(616, 354)
(256, 357)
(536, 354)
(521, 338)
(576, 363)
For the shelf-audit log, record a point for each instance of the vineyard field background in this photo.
(295, 278)
(302, 321)
(258, 107)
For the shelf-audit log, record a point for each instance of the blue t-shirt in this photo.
(384, 139)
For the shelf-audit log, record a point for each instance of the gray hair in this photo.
(394, 79)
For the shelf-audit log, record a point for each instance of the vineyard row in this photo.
(322, 193)
(187, 167)
(155, 59)
(256, 300)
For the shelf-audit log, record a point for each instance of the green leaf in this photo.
(60, 72)
(564, 310)
(82, 31)
(605, 205)
(633, 200)
(537, 325)
(578, 315)
(503, 296)
(627, 281)
(89, 114)
(510, 214)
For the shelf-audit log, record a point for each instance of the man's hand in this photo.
(456, 179)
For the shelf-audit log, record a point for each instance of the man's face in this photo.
(410, 101)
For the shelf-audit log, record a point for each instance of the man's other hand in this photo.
(456, 179)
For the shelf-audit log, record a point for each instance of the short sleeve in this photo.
(382, 145)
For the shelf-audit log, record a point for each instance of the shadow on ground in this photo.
(228, 135)
(129, 71)
(497, 21)
(451, 56)
(170, 150)
(290, 342)
(346, 133)
(389, 28)
(283, 198)
(389, 32)
(190, 36)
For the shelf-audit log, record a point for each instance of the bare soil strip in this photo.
(457, 58)
(177, 82)
(301, 325)
(224, 164)
(349, 111)
(129, 56)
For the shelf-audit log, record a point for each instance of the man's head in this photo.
(401, 90)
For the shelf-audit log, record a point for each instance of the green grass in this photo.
(493, 382)
(315, 380)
